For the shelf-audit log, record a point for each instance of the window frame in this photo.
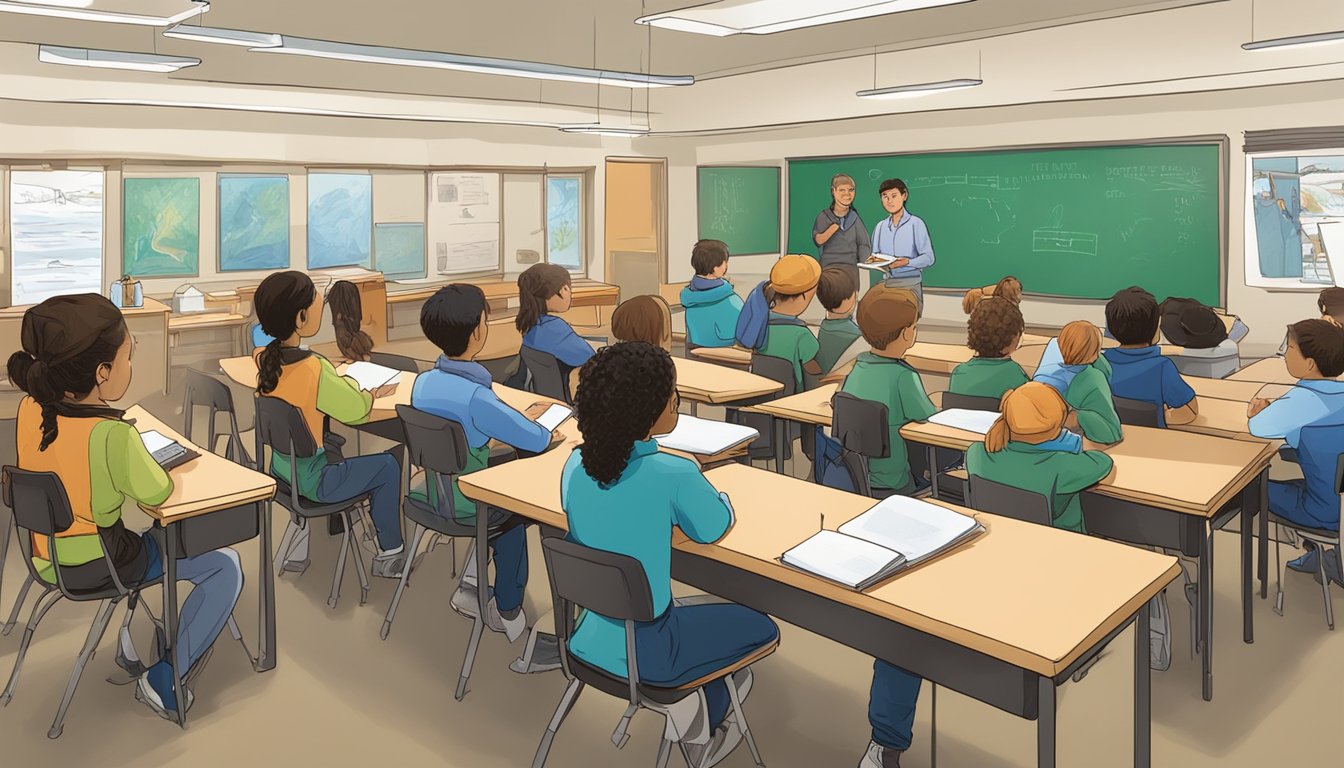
(7, 215)
(1250, 242)
(581, 270)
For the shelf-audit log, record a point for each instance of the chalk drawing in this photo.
(1061, 241)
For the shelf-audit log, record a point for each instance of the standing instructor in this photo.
(903, 237)
(839, 232)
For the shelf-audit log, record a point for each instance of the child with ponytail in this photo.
(75, 360)
(290, 310)
(347, 311)
(1074, 366)
(543, 293)
(622, 495)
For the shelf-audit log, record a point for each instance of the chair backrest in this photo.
(38, 500)
(1138, 413)
(547, 380)
(1320, 451)
(280, 426)
(205, 391)
(775, 369)
(434, 443)
(860, 425)
(1007, 501)
(395, 362)
(970, 402)
(607, 583)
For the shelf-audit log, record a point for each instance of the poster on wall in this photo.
(463, 223)
(161, 227)
(253, 222)
(340, 219)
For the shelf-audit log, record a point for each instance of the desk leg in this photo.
(170, 621)
(730, 417)
(1045, 724)
(1206, 610)
(1248, 497)
(781, 436)
(266, 653)
(933, 473)
(1143, 723)
(1264, 534)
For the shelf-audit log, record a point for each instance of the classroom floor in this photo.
(341, 697)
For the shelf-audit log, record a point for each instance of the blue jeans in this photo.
(891, 705)
(380, 475)
(509, 544)
(690, 641)
(1288, 500)
(217, 580)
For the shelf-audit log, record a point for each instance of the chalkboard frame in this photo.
(1220, 141)
(781, 233)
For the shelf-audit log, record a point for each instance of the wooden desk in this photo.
(671, 293)
(214, 503)
(811, 406)
(731, 356)
(498, 292)
(1271, 370)
(973, 620)
(941, 359)
(1169, 489)
(205, 324)
(1225, 389)
(705, 382)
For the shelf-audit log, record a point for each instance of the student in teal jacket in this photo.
(711, 303)
(620, 494)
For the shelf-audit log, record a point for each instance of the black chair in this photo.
(860, 426)
(206, 391)
(1318, 448)
(395, 362)
(1008, 501)
(1138, 413)
(950, 486)
(41, 508)
(970, 402)
(780, 370)
(503, 368)
(281, 427)
(547, 378)
(615, 586)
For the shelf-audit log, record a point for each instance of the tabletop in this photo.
(711, 383)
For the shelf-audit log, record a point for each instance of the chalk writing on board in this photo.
(725, 203)
(1061, 241)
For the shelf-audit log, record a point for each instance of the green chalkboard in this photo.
(1079, 222)
(740, 206)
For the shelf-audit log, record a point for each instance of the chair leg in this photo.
(664, 753)
(287, 540)
(477, 627)
(40, 609)
(343, 552)
(238, 635)
(401, 583)
(1278, 569)
(742, 723)
(358, 552)
(96, 631)
(1325, 586)
(18, 605)
(567, 700)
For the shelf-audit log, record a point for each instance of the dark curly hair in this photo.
(622, 390)
(992, 325)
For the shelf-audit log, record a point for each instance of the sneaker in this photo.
(389, 566)
(545, 656)
(465, 604)
(464, 600)
(1307, 562)
(144, 692)
(1332, 568)
(879, 756)
(725, 739)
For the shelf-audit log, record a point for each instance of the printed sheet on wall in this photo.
(464, 222)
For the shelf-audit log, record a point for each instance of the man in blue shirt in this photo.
(904, 237)
(454, 319)
(1138, 369)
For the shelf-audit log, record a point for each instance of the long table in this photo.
(974, 620)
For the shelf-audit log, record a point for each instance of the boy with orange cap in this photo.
(793, 283)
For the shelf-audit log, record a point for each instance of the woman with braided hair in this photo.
(346, 313)
(622, 495)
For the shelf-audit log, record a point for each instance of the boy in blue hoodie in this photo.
(711, 304)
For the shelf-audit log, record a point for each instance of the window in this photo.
(564, 222)
(56, 233)
(340, 220)
(253, 222)
(1289, 198)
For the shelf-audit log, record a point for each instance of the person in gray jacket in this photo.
(839, 231)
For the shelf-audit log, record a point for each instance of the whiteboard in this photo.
(463, 222)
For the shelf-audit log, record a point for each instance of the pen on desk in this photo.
(823, 521)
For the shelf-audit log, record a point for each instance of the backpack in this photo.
(754, 318)
(1188, 323)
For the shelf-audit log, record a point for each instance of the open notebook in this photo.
(166, 451)
(371, 376)
(896, 533)
(705, 437)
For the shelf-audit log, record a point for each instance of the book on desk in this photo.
(167, 452)
(895, 534)
(711, 440)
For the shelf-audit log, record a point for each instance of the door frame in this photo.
(659, 217)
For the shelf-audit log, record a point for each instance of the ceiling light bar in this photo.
(86, 57)
(224, 36)
(602, 130)
(82, 13)
(285, 109)
(1300, 41)
(917, 89)
(766, 17)
(374, 54)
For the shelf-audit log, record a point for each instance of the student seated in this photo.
(543, 293)
(290, 308)
(643, 318)
(1315, 356)
(711, 303)
(838, 293)
(993, 331)
(454, 319)
(1331, 303)
(1009, 288)
(1029, 448)
(622, 495)
(887, 319)
(76, 359)
(1074, 366)
(1138, 369)
(793, 283)
(347, 312)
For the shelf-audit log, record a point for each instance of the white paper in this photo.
(912, 527)
(371, 375)
(840, 558)
(554, 416)
(879, 266)
(154, 440)
(705, 436)
(963, 418)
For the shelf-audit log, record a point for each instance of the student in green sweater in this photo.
(838, 293)
(793, 283)
(1074, 366)
(1029, 448)
(993, 331)
(887, 319)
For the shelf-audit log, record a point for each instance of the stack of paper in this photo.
(962, 418)
(705, 437)
(371, 376)
(554, 416)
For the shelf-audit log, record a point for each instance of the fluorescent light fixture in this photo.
(285, 109)
(63, 3)
(85, 57)
(602, 130)
(917, 89)
(373, 54)
(1300, 41)
(765, 17)
(224, 36)
(75, 9)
